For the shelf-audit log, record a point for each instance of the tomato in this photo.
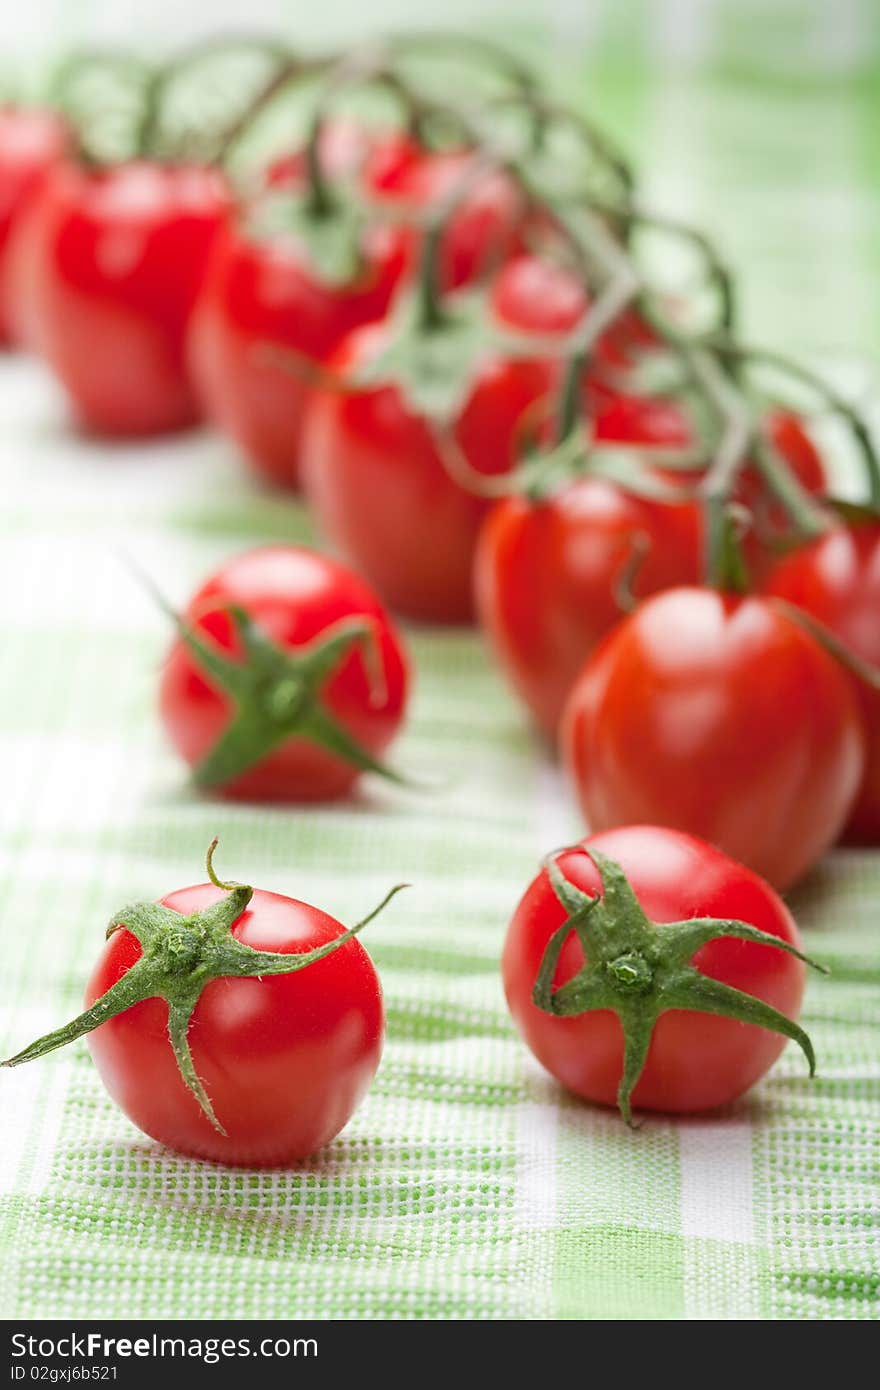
(32, 141)
(287, 679)
(548, 573)
(837, 580)
(232, 1024)
(486, 226)
(687, 1060)
(261, 291)
(717, 715)
(373, 471)
(118, 255)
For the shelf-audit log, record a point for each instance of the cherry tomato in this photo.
(486, 226)
(32, 141)
(284, 1059)
(261, 292)
(119, 255)
(372, 467)
(295, 697)
(718, 715)
(694, 1061)
(548, 574)
(231, 1023)
(837, 580)
(264, 291)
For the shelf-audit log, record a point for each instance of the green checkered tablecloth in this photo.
(467, 1185)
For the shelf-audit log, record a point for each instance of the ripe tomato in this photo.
(287, 680)
(837, 580)
(688, 1060)
(264, 290)
(232, 1024)
(261, 291)
(118, 255)
(547, 573)
(487, 224)
(32, 141)
(718, 715)
(372, 467)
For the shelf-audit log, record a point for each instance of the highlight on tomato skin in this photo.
(116, 260)
(695, 1061)
(718, 715)
(836, 579)
(326, 679)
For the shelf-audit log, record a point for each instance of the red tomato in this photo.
(375, 477)
(284, 1059)
(837, 580)
(717, 715)
(32, 141)
(695, 1061)
(119, 255)
(547, 573)
(262, 292)
(487, 224)
(297, 599)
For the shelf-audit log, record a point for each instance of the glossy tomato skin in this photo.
(837, 580)
(119, 256)
(294, 595)
(32, 141)
(261, 292)
(695, 1062)
(547, 574)
(719, 716)
(285, 1059)
(373, 470)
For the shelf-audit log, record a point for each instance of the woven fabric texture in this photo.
(467, 1185)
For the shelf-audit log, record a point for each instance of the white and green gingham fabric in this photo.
(468, 1185)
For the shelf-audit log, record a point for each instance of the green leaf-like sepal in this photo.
(548, 471)
(435, 364)
(639, 969)
(332, 237)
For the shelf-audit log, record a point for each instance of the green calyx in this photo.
(330, 232)
(180, 956)
(639, 969)
(277, 694)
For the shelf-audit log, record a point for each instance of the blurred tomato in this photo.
(32, 141)
(720, 716)
(373, 467)
(119, 254)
